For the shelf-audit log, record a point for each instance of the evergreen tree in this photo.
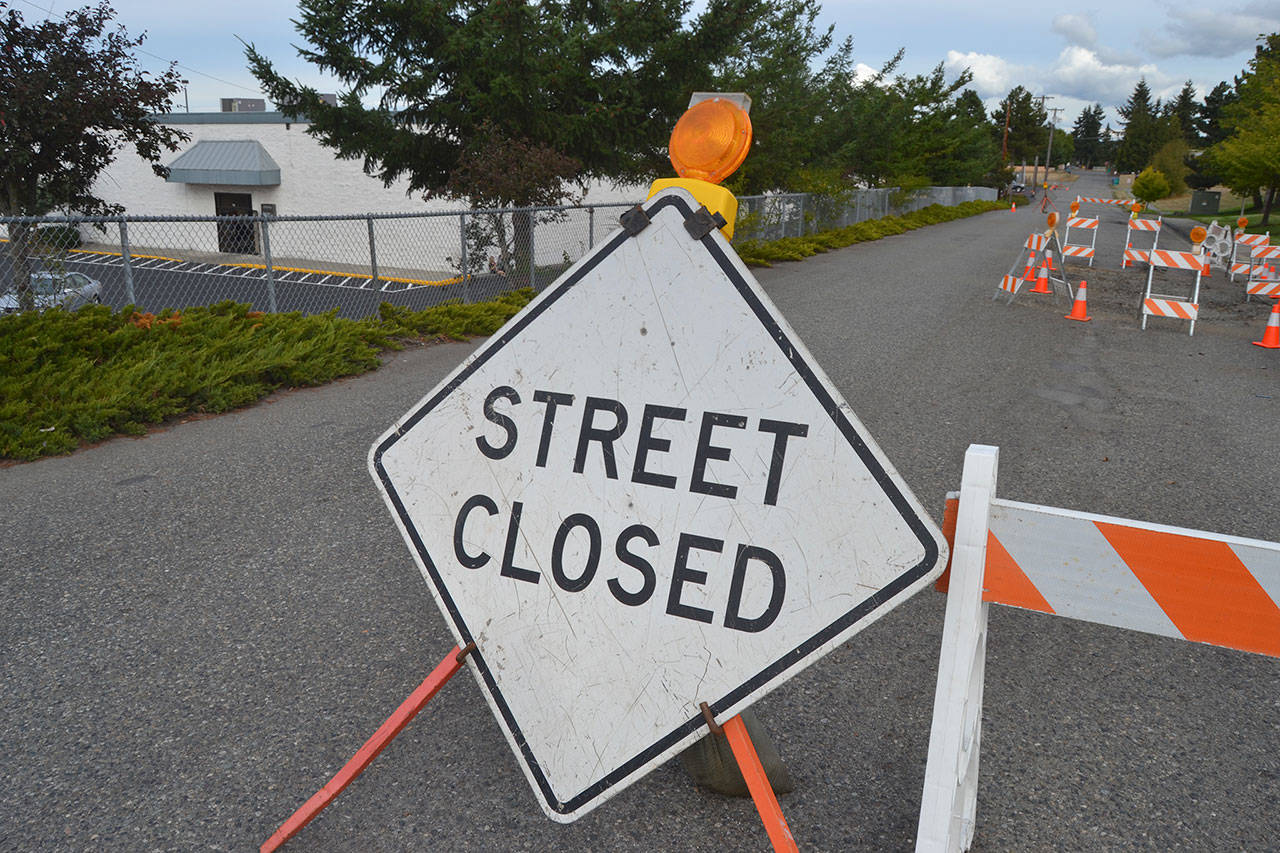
(597, 84)
(780, 64)
(909, 131)
(1185, 109)
(938, 144)
(1141, 130)
(978, 151)
(1110, 145)
(1209, 116)
(1028, 132)
(1064, 146)
(1087, 136)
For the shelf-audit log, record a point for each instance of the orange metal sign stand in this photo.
(735, 730)
(408, 709)
(758, 784)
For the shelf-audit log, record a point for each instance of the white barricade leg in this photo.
(948, 807)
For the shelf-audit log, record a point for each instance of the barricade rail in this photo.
(1168, 581)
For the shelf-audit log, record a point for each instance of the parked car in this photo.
(69, 290)
(1017, 187)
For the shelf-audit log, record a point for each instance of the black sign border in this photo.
(786, 661)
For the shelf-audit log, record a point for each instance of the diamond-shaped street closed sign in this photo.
(643, 495)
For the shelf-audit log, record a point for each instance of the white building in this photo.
(265, 162)
(281, 165)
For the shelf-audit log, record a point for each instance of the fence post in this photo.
(462, 255)
(591, 228)
(803, 196)
(533, 254)
(126, 263)
(373, 255)
(266, 257)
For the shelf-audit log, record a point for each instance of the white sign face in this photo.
(642, 495)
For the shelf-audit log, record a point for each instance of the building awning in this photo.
(240, 162)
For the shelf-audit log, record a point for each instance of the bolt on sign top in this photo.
(641, 495)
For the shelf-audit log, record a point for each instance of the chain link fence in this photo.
(773, 217)
(300, 263)
(353, 263)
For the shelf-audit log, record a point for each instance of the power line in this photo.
(47, 12)
(201, 73)
(177, 64)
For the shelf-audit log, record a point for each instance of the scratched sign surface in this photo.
(642, 495)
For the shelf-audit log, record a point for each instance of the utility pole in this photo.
(1004, 143)
(1053, 122)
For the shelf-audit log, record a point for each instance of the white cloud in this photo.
(863, 72)
(1209, 31)
(1076, 78)
(1083, 74)
(993, 76)
(1076, 29)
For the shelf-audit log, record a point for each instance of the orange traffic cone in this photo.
(1079, 308)
(1028, 275)
(1042, 281)
(1048, 259)
(1013, 208)
(1271, 337)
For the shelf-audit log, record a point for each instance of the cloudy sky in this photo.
(1078, 57)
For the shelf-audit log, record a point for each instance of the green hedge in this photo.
(72, 377)
(760, 254)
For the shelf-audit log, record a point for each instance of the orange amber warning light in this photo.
(708, 143)
(710, 140)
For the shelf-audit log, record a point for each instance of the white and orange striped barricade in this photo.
(1033, 249)
(1134, 256)
(1169, 581)
(1055, 275)
(1264, 279)
(1245, 244)
(1167, 305)
(1080, 250)
(1084, 200)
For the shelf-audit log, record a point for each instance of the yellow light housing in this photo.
(1075, 208)
(1242, 222)
(710, 140)
(1136, 207)
(1052, 220)
(1198, 234)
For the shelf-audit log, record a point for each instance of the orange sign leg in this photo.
(758, 783)
(374, 745)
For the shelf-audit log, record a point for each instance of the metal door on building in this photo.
(235, 237)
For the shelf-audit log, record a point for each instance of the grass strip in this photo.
(763, 254)
(69, 378)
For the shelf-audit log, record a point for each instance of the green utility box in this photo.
(1205, 201)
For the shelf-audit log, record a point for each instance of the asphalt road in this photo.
(202, 625)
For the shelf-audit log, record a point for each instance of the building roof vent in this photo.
(244, 105)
